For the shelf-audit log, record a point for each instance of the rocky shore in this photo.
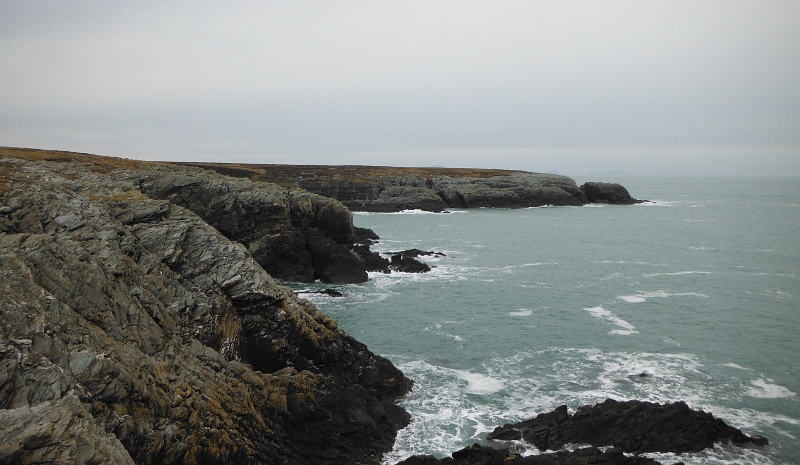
(389, 189)
(612, 429)
(142, 321)
(140, 326)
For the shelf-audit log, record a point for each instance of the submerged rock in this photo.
(132, 331)
(633, 426)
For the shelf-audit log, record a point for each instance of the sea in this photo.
(693, 296)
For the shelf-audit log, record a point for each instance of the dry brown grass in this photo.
(97, 163)
(354, 173)
(279, 174)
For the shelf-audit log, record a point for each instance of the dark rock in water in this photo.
(414, 253)
(332, 293)
(328, 292)
(132, 331)
(364, 236)
(604, 192)
(407, 264)
(482, 455)
(372, 260)
(633, 426)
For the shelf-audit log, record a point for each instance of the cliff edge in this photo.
(134, 331)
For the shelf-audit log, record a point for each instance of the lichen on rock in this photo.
(132, 329)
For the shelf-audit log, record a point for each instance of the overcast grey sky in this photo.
(648, 87)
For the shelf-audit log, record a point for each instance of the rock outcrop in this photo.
(606, 192)
(633, 426)
(293, 234)
(619, 428)
(134, 331)
(387, 189)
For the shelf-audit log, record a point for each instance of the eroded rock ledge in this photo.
(391, 189)
(133, 331)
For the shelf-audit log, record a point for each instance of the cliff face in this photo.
(293, 234)
(385, 189)
(132, 331)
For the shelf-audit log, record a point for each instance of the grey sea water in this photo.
(534, 308)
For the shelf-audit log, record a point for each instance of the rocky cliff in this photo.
(386, 189)
(137, 325)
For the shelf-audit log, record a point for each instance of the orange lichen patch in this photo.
(5, 179)
(126, 196)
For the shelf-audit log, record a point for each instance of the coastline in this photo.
(147, 205)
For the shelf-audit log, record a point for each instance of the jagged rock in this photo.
(372, 260)
(364, 236)
(414, 253)
(293, 234)
(334, 263)
(406, 264)
(604, 192)
(171, 336)
(482, 455)
(633, 426)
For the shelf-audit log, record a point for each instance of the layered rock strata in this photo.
(134, 331)
(386, 189)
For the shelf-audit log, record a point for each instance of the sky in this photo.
(639, 87)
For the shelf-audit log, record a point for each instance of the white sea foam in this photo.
(521, 312)
(605, 315)
(657, 203)
(643, 296)
(480, 384)
(453, 408)
(767, 389)
(733, 365)
(675, 273)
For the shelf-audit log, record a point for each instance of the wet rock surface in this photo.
(605, 192)
(482, 455)
(633, 426)
(134, 331)
(618, 432)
